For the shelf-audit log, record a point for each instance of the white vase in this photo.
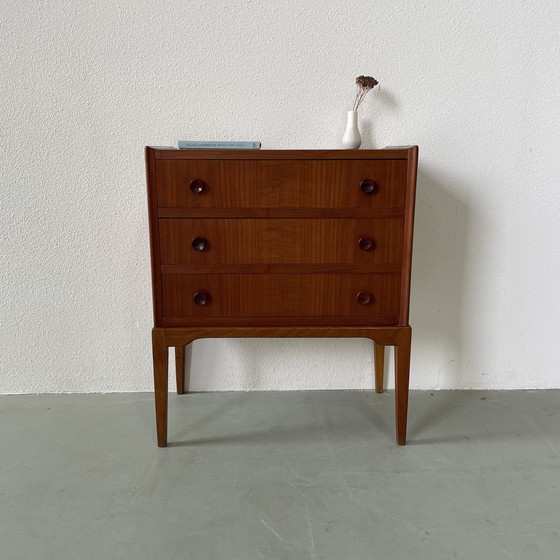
(352, 138)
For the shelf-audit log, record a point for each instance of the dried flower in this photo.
(364, 83)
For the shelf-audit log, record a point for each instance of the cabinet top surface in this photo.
(391, 152)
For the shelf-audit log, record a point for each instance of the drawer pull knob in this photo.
(368, 186)
(197, 186)
(201, 298)
(366, 243)
(199, 244)
(364, 298)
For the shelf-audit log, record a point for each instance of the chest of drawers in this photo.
(281, 243)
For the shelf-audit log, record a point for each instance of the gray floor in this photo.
(281, 476)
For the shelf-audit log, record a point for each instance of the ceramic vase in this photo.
(352, 138)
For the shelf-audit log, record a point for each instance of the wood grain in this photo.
(402, 372)
(388, 336)
(279, 252)
(280, 184)
(160, 356)
(408, 234)
(307, 321)
(287, 212)
(249, 241)
(399, 337)
(154, 235)
(390, 152)
(180, 368)
(288, 268)
(280, 295)
(379, 359)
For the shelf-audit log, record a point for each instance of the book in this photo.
(195, 144)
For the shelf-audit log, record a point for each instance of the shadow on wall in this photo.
(385, 103)
(438, 280)
(282, 364)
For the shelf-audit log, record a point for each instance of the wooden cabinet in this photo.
(281, 243)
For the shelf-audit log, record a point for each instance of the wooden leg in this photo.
(402, 370)
(160, 355)
(379, 357)
(180, 368)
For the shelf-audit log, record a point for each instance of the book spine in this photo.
(192, 144)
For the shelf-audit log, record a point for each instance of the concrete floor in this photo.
(281, 476)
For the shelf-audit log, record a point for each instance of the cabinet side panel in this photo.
(154, 235)
(408, 234)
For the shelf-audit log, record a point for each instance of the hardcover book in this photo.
(201, 145)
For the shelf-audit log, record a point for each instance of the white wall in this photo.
(85, 85)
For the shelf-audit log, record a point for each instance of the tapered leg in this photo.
(160, 355)
(379, 357)
(180, 369)
(402, 370)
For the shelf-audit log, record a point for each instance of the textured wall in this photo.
(85, 85)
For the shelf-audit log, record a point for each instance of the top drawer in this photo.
(281, 184)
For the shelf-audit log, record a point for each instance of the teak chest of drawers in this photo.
(281, 243)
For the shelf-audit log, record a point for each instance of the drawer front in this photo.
(246, 241)
(281, 184)
(191, 296)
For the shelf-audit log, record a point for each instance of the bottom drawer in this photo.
(280, 295)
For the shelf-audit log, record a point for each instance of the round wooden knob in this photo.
(199, 244)
(201, 298)
(368, 186)
(197, 186)
(364, 298)
(366, 243)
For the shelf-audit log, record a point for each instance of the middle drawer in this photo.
(287, 240)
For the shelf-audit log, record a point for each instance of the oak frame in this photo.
(164, 338)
